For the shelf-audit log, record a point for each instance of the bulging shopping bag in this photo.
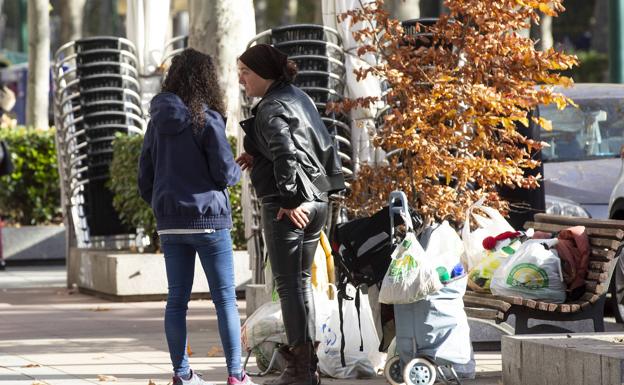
(410, 276)
(532, 272)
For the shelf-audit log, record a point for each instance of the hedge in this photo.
(31, 195)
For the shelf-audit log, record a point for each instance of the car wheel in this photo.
(616, 289)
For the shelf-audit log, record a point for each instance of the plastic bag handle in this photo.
(402, 210)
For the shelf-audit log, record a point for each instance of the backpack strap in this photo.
(342, 337)
(357, 308)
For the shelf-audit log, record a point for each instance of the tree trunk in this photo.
(72, 12)
(546, 34)
(290, 12)
(542, 33)
(404, 9)
(38, 64)
(261, 15)
(600, 27)
(223, 31)
(318, 12)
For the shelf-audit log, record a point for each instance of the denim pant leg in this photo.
(215, 254)
(180, 265)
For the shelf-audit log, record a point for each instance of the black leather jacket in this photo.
(294, 158)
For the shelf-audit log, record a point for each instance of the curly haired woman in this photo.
(185, 168)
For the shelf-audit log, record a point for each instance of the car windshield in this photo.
(594, 129)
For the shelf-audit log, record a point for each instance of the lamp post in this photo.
(616, 41)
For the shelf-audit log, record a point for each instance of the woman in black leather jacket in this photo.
(294, 167)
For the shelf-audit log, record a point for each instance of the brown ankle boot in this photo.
(304, 361)
(288, 374)
(298, 370)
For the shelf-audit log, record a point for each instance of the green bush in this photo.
(132, 210)
(31, 195)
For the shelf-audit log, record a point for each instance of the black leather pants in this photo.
(291, 252)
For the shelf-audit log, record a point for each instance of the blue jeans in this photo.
(215, 254)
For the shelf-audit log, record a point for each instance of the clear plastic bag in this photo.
(265, 324)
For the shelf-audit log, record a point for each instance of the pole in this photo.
(616, 41)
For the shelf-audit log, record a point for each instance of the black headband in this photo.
(265, 60)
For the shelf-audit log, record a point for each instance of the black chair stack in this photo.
(317, 51)
(96, 96)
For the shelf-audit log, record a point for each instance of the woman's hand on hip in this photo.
(245, 161)
(298, 216)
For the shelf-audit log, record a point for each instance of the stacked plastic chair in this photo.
(96, 96)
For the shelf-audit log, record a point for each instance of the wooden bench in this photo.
(605, 237)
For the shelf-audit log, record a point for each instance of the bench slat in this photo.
(486, 302)
(597, 276)
(590, 297)
(599, 266)
(576, 221)
(509, 299)
(617, 234)
(604, 243)
(601, 255)
(595, 287)
(491, 314)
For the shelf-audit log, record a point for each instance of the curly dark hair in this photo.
(193, 77)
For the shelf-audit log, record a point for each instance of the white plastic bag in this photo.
(445, 247)
(491, 225)
(410, 276)
(532, 272)
(359, 364)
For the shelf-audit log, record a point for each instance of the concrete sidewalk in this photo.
(51, 335)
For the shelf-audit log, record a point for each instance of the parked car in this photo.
(582, 164)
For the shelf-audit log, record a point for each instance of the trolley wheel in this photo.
(392, 371)
(419, 371)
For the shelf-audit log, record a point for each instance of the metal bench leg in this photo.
(522, 324)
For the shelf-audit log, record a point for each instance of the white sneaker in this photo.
(194, 380)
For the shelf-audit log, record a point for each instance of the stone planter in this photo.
(563, 359)
(33, 243)
(124, 276)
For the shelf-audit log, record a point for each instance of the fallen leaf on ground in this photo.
(151, 382)
(31, 366)
(99, 308)
(215, 351)
(102, 377)
(39, 383)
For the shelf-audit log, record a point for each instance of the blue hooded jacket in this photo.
(184, 177)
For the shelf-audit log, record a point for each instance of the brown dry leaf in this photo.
(215, 351)
(31, 366)
(40, 383)
(102, 378)
(100, 308)
(151, 382)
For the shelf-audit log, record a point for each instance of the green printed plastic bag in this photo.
(410, 276)
(532, 272)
